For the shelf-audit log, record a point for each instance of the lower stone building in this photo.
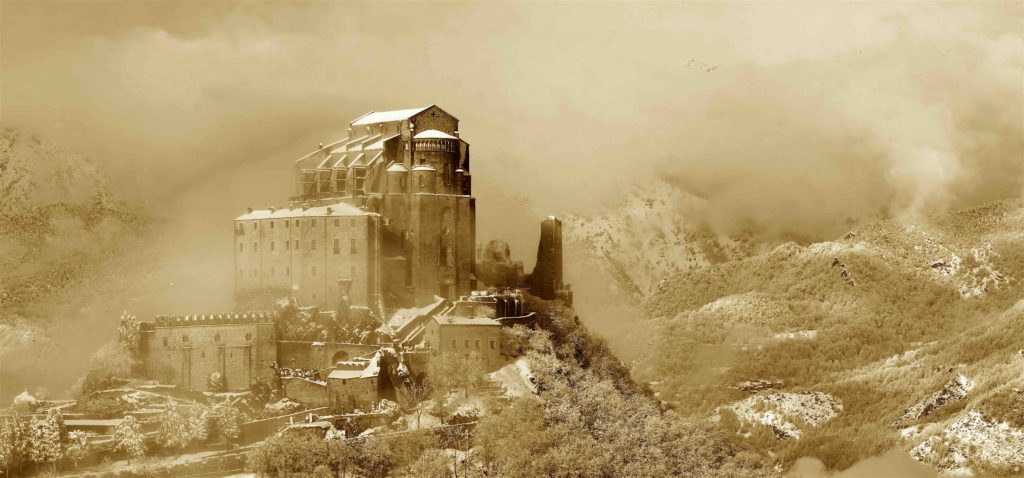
(215, 352)
(467, 328)
(354, 385)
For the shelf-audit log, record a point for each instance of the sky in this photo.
(790, 118)
(786, 116)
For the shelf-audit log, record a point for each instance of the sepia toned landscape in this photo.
(462, 239)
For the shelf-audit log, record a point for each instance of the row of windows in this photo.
(476, 344)
(312, 223)
(216, 338)
(352, 248)
(287, 272)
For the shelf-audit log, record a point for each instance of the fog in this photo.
(790, 118)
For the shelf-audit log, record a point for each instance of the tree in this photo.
(198, 425)
(8, 435)
(413, 397)
(78, 446)
(129, 439)
(44, 436)
(128, 334)
(433, 463)
(230, 422)
(174, 431)
(16, 441)
(450, 371)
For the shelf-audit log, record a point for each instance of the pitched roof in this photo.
(433, 134)
(337, 209)
(386, 116)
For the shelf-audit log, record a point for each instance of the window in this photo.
(166, 342)
(492, 344)
(184, 338)
(286, 224)
(254, 225)
(248, 336)
(255, 247)
(296, 223)
(477, 344)
(447, 175)
(454, 346)
(216, 338)
(312, 222)
(352, 272)
(467, 343)
(287, 271)
(312, 245)
(337, 222)
(271, 245)
(314, 271)
(337, 246)
(296, 244)
(202, 354)
(352, 246)
(271, 224)
(352, 222)
(241, 247)
(287, 244)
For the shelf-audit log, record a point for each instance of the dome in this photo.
(433, 134)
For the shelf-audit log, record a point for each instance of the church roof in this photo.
(433, 134)
(337, 209)
(374, 117)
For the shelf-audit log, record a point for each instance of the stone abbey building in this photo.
(384, 218)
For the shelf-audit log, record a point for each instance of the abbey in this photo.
(384, 218)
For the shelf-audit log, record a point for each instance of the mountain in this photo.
(897, 335)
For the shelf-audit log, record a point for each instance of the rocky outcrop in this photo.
(974, 441)
(781, 411)
(953, 391)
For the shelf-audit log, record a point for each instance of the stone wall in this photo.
(306, 392)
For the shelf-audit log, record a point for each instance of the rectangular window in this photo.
(492, 344)
(337, 246)
(271, 224)
(477, 344)
(296, 223)
(467, 343)
(254, 225)
(312, 245)
(312, 222)
(287, 244)
(286, 224)
(352, 222)
(271, 245)
(337, 222)
(352, 246)
(454, 345)
(296, 244)
(352, 272)
(255, 247)
(287, 271)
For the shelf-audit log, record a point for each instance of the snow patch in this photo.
(780, 411)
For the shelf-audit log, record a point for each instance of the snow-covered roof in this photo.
(433, 134)
(374, 117)
(458, 320)
(424, 167)
(111, 422)
(379, 144)
(336, 209)
(397, 167)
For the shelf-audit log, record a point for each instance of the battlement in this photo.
(254, 317)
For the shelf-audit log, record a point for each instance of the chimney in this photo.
(272, 209)
(320, 147)
(249, 209)
(330, 210)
